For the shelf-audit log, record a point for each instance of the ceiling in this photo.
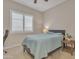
(41, 5)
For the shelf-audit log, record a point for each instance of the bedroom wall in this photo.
(61, 17)
(16, 38)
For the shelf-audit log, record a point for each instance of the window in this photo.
(17, 22)
(28, 23)
(21, 22)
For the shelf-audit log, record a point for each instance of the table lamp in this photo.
(45, 30)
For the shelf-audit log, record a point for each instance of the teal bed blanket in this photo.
(41, 44)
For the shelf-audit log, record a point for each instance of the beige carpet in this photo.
(17, 53)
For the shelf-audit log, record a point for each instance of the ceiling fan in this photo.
(35, 1)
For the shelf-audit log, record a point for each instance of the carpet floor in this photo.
(17, 53)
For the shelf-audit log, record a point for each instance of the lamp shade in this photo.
(45, 30)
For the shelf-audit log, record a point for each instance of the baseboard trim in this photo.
(12, 46)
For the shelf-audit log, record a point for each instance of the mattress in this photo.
(41, 44)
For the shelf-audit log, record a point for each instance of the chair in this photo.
(69, 45)
(4, 38)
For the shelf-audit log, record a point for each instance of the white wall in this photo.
(17, 38)
(61, 17)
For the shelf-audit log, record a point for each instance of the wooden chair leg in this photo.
(62, 46)
(72, 51)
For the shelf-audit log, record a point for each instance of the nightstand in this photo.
(68, 45)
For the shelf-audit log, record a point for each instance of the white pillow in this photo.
(50, 32)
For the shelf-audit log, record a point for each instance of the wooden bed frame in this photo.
(55, 31)
(58, 31)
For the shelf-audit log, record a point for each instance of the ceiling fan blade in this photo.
(46, 0)
(35, 1)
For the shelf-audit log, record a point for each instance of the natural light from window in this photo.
(21, 22)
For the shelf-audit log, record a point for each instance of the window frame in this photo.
(23, 22)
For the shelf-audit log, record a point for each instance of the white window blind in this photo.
(21, 23)
(17, 22)
(28, 23)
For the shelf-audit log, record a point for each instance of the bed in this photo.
(39, 45)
